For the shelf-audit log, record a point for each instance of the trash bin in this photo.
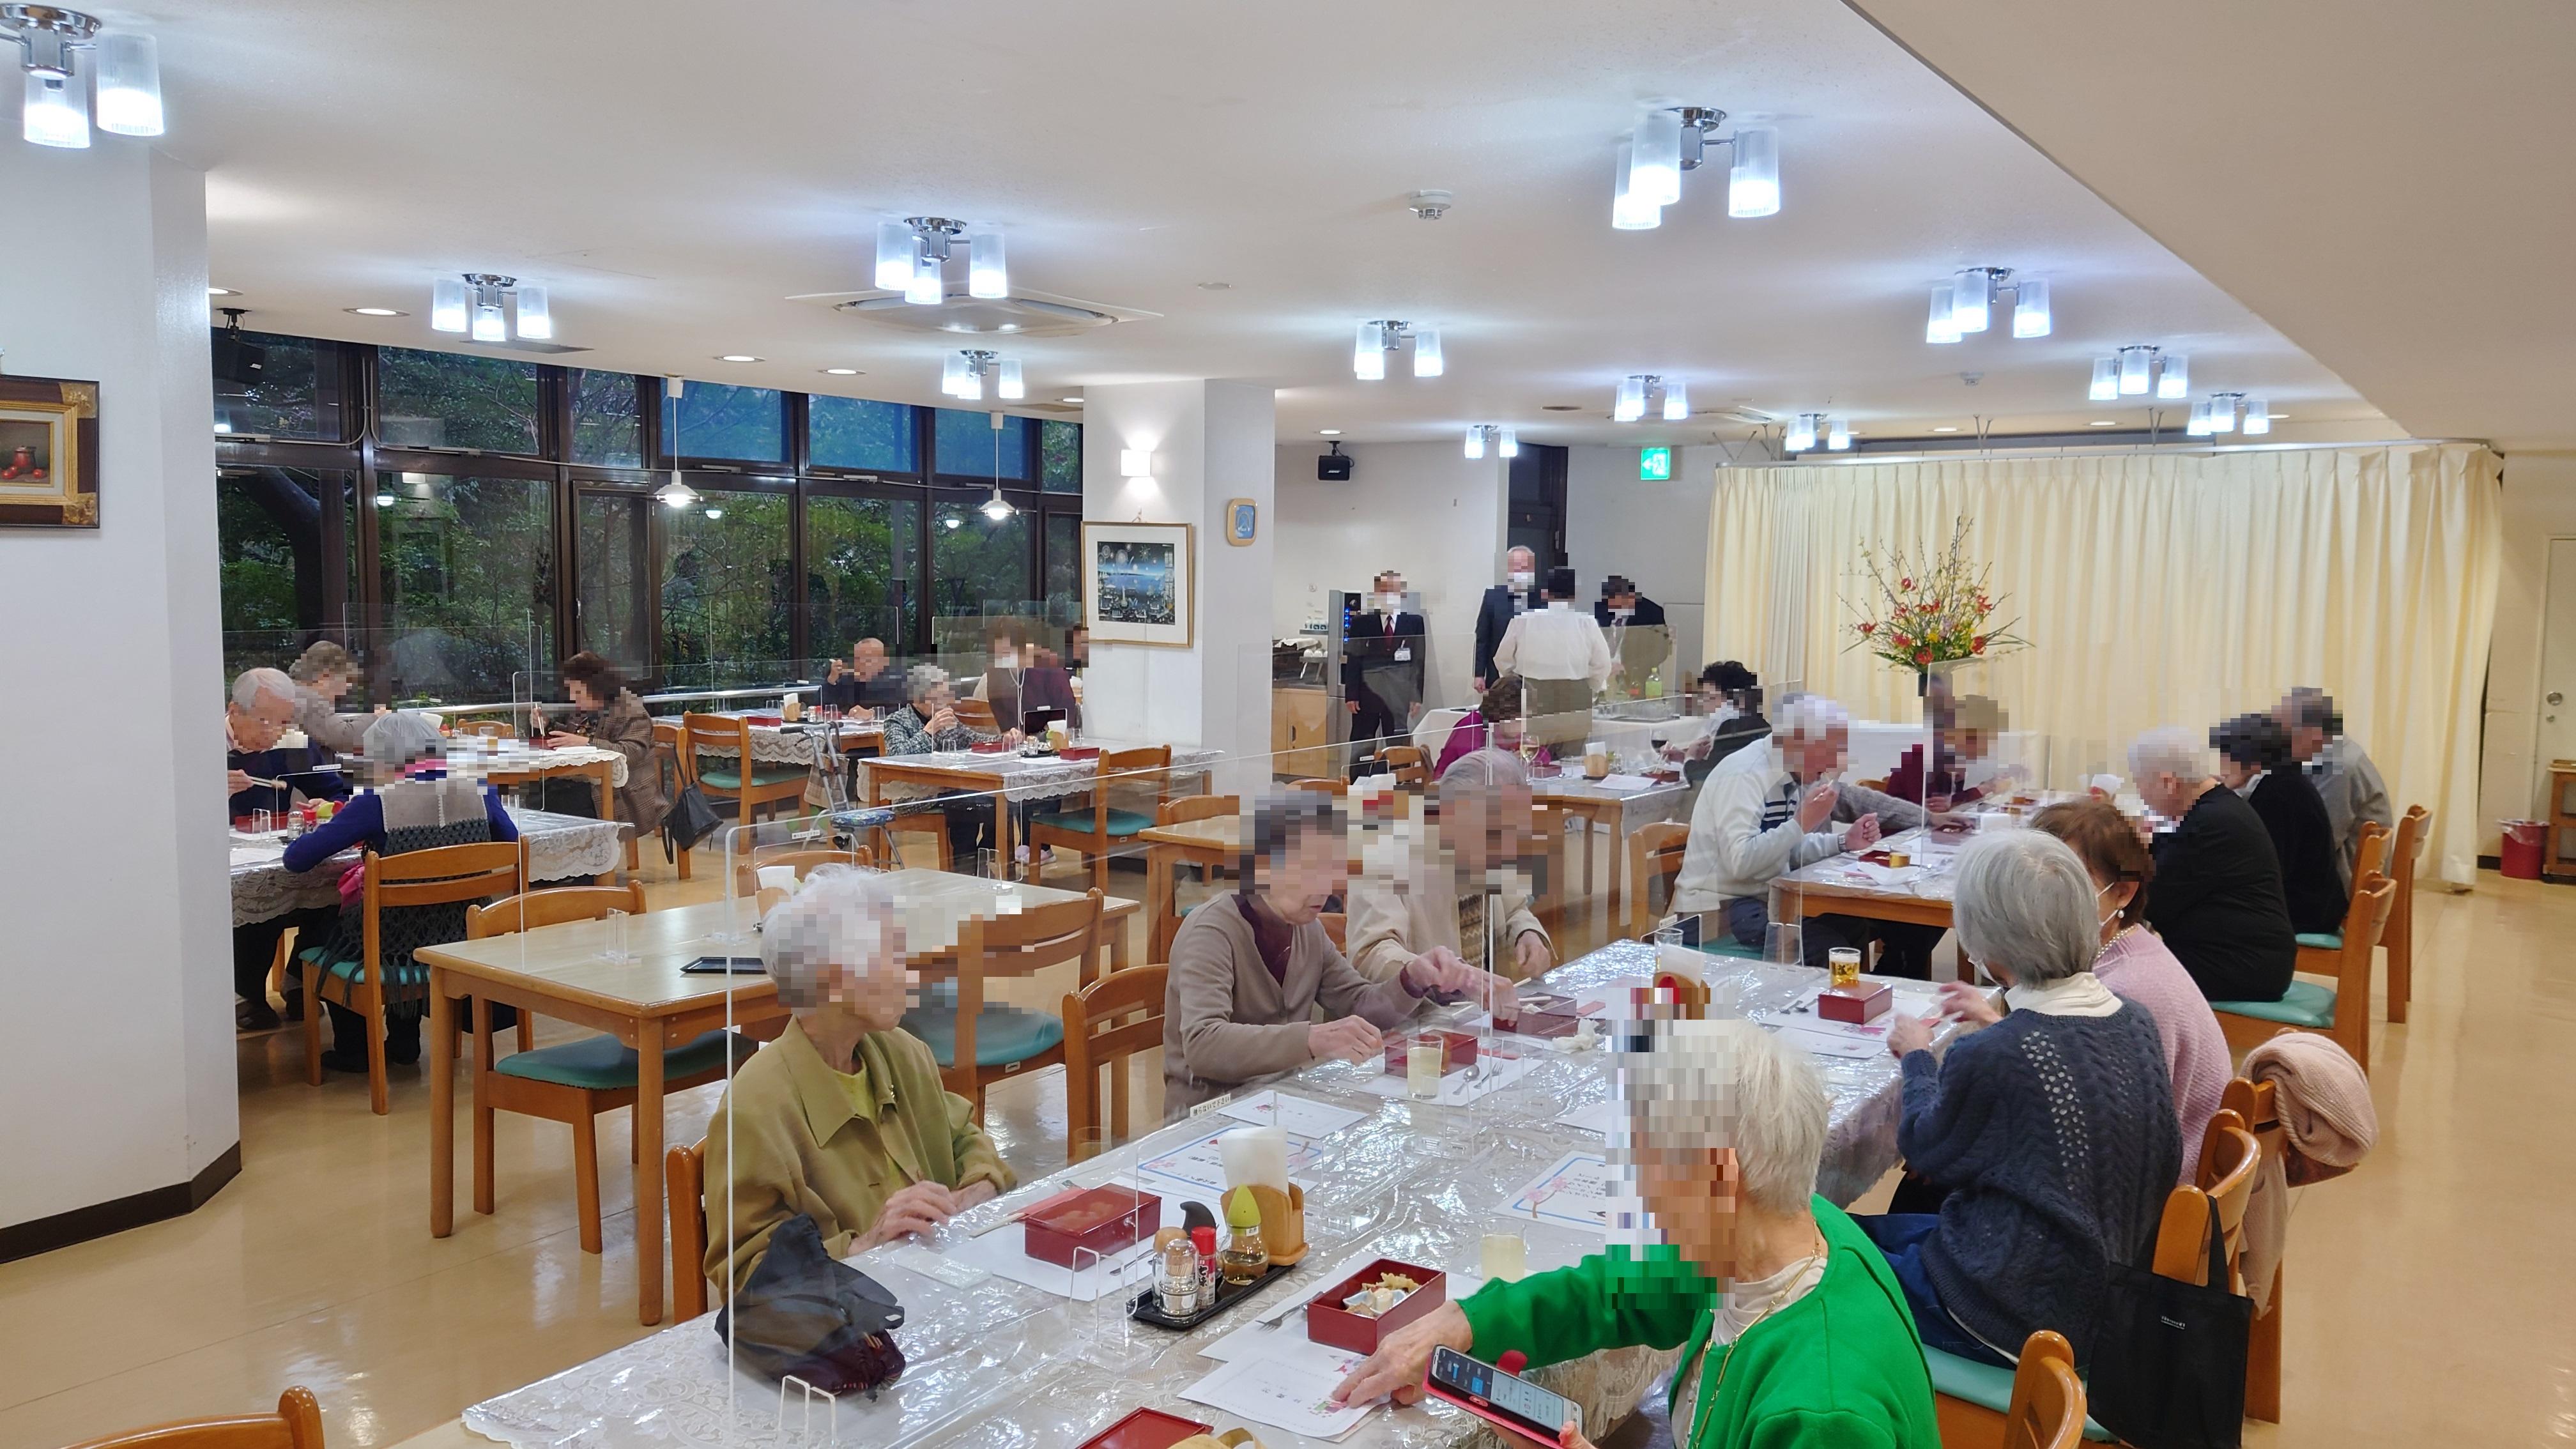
(2523, 840)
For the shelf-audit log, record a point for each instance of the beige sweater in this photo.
(1228, 1021)
(1391, 923)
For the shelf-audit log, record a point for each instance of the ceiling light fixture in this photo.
(1945, 430)
(1374, 340)
(2135, 361)
(2138, 370)
(1077, 402)
(373, 312)
(2106, 381)
(1838, 434)
(737, 357)
(997, 507)
(2103, 423)
(1640, 391)
(1967, 305)
(1506, 441)
(1328, 432)
(1801, 433)
(128, 67)
(2174, 383)
(1941, 323)
(1508, 445)
(1676, 401)
(961, 375)
(1670, 140)
(674, 494)
(1135, 463)
(473, 306)
(2258, 416)
(912, 255)
(1476, 440)
(221, 292)
(841, 371)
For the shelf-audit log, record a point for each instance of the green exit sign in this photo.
(1654, 465)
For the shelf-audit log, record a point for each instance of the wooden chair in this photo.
(575, 1081)
(1105, 1023)
(1337, 924)
(929, 824)
(1095, 829)
(297, 1424)
(684, 1178)
(542, 908)
(2341, 1011)
(1654, 855)
(2317, 950)
(2251, 1104)
(1324, 787)
(977, 1044)
(1410, 766)
(1197, 807)
(2399, 934)
(417, 878)
(977, 715)
(736, 776)
(2047, 1406)
(668, 740)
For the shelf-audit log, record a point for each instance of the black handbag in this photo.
(809, 1316)
(689, 823)
(2168, 1366)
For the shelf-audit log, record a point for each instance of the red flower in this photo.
(1984, 603)
(1905, 584)
(1868, 629)
(1977, 645)
(1922, 656)
(1902, 642)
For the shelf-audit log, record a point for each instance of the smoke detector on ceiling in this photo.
(1430, 205)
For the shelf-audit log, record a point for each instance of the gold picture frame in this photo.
(1242, 522)
(48, 453)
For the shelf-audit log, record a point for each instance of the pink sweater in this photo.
(2138, 967)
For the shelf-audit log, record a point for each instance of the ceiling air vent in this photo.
(1022, 314)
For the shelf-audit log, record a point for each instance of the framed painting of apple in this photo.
(48, 453)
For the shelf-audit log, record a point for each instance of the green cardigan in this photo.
(1841, 1366)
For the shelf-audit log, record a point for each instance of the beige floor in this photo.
(2427, 1293)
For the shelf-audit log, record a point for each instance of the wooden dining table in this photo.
(1214, 841)
(647, 1002)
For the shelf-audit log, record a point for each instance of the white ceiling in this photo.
(676, 182)
(2394, 186)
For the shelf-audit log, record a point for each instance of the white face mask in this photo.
(1392, 603)
(1005, 659)
(1623, 613)
(1521, 578)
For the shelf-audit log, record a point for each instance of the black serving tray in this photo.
(1148, 1307)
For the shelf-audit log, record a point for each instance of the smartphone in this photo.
(1507, 1399)
(724, 966)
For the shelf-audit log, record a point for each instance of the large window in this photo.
(849, 432)
(275, 528)
(607, 418)
(447, 400)
(978, 566)
(861, 556)
(1060, 456)
(969, 446)
(278, 387)
(709, 420)
(727, 590)
(1063, 567)
(612, 542)
(467, 584)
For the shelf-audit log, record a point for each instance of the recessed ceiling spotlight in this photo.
(1216, 286)
(737, 357)
(221, 292)
(2276, 415)
(842, 371)
(1328, 432)
(1945, 430)
(374, 312)
(1560, 407)
(2104, 423)
(1009, 327)
(1077, 402)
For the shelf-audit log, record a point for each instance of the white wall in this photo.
(2539, 505)
(115, 963)
(1423, 509)
(1655, 533)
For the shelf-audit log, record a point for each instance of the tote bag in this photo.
(2168, 1366)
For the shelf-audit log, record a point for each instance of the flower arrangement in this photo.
(1930, 609)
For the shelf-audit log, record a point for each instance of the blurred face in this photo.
(867, 659)
(2235, 775)
(1811, 760)
(1623, 601)
(1485, 826)
(1508, 733)
(2305, 741)
(1705, 699)
(934, 700)
(1690, 1194)
(261, 726)
(875, 992)
(2165, 793)
(579, 691)
(1313, 870)
(1970, 744)
(1522, 565)
(331, 686)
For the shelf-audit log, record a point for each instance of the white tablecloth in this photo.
(514, 761)
(999, 1365)
(1024, 777)
(559, 846)
(1637, 808)
(783, 744)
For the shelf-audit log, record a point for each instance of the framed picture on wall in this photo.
(48, 453)
(1137, 583)
(1242, 521)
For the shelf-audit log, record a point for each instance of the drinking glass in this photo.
(1505, 1258)
(616, 949)
(1422, 1063)
(262, 822)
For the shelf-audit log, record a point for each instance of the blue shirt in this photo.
(362, 822)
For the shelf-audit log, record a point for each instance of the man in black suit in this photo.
(1382, 667)
(1518, 594)
(1634, 625)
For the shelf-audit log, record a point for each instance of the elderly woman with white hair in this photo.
(1792, 1328)
(415, 805)
(1767, 810)
(928, 724)
(843, 1118)
(2218, 899)
(267, 771)
(2048, 1140)
(1458, 890)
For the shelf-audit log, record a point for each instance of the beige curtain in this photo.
(2155, 589)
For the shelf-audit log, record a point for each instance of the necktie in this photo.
(1471, 930)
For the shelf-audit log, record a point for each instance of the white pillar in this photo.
(1211, 442)
(115, 964)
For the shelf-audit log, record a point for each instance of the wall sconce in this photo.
(1135, 463)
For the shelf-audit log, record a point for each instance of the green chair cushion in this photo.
(1121, 822)
(2320, 940)
(1003, 1034)
(2305, 1004)
(1985, 1385)
(603, 1063)
(1729, 946)
(760, 775)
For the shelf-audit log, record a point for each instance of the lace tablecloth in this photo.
(518, 761)
(1027, 777)
(998, 1365)
(558, 846)
(794, 744)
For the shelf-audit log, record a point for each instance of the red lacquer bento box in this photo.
(1146, 1429)
(1327, 1321)
(1094, 1224)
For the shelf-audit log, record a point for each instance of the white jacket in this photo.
(1732, 854)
